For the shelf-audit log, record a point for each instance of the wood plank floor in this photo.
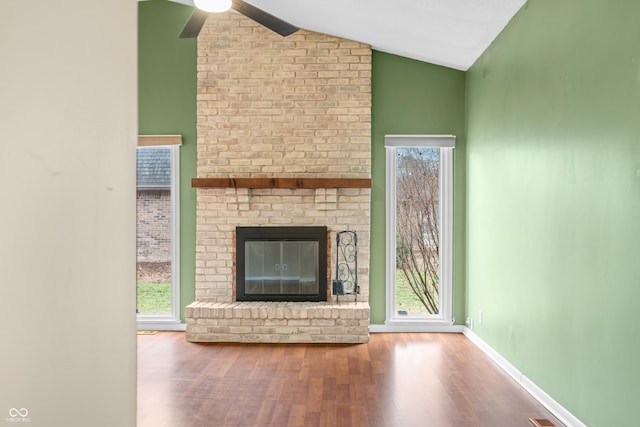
(397, 380)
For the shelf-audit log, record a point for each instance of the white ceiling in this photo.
(451, 33)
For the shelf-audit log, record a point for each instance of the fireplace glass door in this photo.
(281, 263)
(281, 268)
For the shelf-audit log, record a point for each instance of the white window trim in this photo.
(170, 321)
(446, 144)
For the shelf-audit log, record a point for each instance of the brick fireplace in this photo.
(281, 110)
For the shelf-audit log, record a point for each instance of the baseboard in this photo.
(415, 328)
(558, 411)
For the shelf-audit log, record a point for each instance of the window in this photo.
(157, 242)
(419, 180)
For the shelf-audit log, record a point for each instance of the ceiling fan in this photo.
(197, 19)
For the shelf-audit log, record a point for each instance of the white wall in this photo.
(68, 120)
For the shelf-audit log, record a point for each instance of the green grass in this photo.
(406, 299)
(154, 298)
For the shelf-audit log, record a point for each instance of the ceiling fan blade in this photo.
(194, 24)
(264, 18)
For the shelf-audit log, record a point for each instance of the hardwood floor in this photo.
(397, 380)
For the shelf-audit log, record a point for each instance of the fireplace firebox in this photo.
(281, 263)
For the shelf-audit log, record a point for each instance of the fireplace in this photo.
(277, 156)
(281, 263)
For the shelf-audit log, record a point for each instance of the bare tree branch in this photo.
(418, 223)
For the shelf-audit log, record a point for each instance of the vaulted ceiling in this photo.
(451, 33)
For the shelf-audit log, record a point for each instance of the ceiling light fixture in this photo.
(213, 5)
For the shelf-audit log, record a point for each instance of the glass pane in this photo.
(281, 267)
(417, 231)
(154, 244)
(263, 268)
(290, 267)
(253, 274)
(309, 277)
(300, 267)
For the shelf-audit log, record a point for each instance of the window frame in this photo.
(164, 321)
(446, 144)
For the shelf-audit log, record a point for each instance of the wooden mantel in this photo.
(293, 183)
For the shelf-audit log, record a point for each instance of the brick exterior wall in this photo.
(270, 106)
(153, 227)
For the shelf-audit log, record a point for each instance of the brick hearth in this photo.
(293, 322)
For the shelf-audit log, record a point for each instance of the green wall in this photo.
(413, 97)
(553, 198)
(167, 105)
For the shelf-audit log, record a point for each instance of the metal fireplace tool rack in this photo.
(346, 280)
